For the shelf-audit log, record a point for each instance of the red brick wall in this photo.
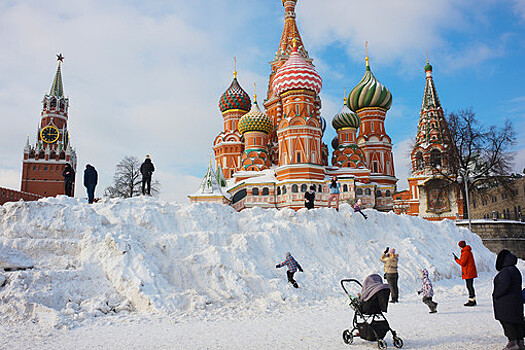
(8, 195)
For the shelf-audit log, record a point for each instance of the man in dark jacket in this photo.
(507, 299)
(90, 181)
(146, 169)
(69, 178)
(293, 266)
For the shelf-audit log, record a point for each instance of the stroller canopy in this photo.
(372, 284)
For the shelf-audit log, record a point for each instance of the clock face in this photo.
(49, 134)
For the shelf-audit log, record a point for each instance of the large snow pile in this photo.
(69, 260)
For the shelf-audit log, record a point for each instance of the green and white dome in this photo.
(369, 93)
(346, 119)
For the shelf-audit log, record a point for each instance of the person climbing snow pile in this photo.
(427, 291)
(357, 208)
(293, 266)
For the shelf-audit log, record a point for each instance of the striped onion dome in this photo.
(235, 97)
(296, 74)
(323, 124)
(335, 143)
(369, 93)
(346, 119)
(255, 120)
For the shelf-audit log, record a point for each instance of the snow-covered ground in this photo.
(143, 273)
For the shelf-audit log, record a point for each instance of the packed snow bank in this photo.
(152, 256)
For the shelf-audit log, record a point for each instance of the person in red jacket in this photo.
(468, 270)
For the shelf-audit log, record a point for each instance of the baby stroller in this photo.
(369, 322)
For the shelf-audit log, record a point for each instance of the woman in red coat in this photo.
(468, 270)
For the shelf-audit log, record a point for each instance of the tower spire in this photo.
(57, 89)
(235, 67)
(290, 33)
(366, 58)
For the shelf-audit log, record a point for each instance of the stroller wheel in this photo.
(381, 344)
(348, 337)
(398, 342)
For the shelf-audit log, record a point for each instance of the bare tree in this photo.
(481, 156)
(127, 181)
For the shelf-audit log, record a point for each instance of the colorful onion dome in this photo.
(346, 119)
(369, 93)
(323, 124)
(335, 143)
(296, 74)
(235, 97)
(255, 120)
(428, 67)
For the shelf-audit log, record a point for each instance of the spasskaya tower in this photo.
(45, 160)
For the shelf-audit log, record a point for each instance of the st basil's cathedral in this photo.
(268, 157)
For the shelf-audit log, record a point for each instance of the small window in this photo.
(359, 191)
(375, 167)
(387, 193)
(320, 188)
(372, 126)
(53, 103)
(255, 191)
(368, 192)
(379, 194)
(284, 189)
(239, 195)
(298, 157)
(265, 191)
(295, 188)
(278, 191)
(303, 188)
(345, 188)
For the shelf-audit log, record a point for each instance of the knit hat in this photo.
(147, 156)
(462, 244)
(392, 251)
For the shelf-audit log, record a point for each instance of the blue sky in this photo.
(145, 77)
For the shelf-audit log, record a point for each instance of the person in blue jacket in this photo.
(293, 266)
(335, 190)
(90, 181)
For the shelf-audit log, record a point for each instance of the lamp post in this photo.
(465, 179)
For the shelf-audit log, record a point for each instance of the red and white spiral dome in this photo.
(296, 74)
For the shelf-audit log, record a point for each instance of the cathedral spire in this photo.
(57, 89)
(290, 33)
(430, 97)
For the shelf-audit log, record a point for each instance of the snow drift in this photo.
(69, 260)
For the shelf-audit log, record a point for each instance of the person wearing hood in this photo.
(507, 300)
(427, 290)
(390, 258)
(146, 169)
(468, 271)
(69, 179)
(90, 182)
(309, 198)
(293, 266)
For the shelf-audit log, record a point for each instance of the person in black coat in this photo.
(507, 299)
(146, 169)
(90, 181)
(309, 198)
(69, 179)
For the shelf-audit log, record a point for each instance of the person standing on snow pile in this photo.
(309, 198)
(507, 299)
(468, 271)
(390, 258)
(427, 291)
(357, 208)
(90, 182)
(69, 179)
(293, 266)
(335, 190)
(146, 169)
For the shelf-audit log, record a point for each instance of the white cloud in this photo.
(10, 178)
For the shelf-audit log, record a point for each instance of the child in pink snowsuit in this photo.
(357, 208)
(427, 291)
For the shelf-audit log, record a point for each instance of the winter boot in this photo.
(512, 345)
(433, 308)
(471, 302)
